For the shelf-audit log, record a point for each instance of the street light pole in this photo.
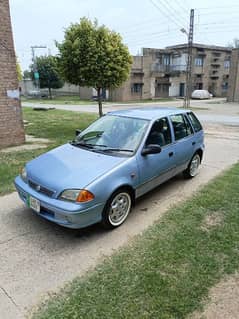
(189, 34)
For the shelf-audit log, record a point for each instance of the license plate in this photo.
(34, 204)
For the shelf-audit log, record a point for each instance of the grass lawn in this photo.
(147, 101)
(57, 125)
(68, 99)
(76, 100)
(166, 272)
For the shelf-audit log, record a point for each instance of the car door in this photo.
(184, 141)
(154, 169)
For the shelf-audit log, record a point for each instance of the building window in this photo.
(136, 88)
(227, 64)
(199, 61)
(198, 86)
(225, 86)
(166, 59)
(165, 87)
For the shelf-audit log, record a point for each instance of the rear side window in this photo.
(181, 126)
(195, 122)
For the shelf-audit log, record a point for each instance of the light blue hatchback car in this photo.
(118, 158)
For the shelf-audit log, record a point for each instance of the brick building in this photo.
(11, 125)
(233, 90)
(160, 73)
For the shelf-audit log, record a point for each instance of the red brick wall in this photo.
(11, 125)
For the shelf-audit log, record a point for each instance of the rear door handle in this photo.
(193, 143)
(170, 154)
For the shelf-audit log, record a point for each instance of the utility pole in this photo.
(35, 70)
(189, 61)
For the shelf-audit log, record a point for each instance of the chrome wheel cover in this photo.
(119, 208)
(194, 165)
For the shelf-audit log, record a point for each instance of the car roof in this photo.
(148, 113)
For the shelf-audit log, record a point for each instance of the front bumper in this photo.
(63, 213)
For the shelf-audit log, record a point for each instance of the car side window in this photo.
(160, 133)
(195, 122)
(181, 126)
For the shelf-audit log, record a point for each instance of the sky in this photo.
(141, 23)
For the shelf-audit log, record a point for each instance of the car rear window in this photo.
(195, 122)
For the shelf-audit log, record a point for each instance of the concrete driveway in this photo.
(38, 257)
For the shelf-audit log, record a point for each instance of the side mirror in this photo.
(78, 132)
(151, 149)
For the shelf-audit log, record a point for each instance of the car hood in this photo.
(68, 166)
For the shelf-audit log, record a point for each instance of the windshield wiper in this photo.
(81, 144)
(105, 149)
(112, 149)
(87, 145)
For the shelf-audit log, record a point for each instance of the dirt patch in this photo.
(223, 301)
(212, 220)
(32, 143)
(33, 139)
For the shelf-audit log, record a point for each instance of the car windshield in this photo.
(113, 134)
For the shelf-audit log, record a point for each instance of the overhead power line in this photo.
(171, 10)
(155, 36)
(154, 33)
(156, 25)
(138, 26)
(185, 10)
(217, 7)
(217, 31)
(164, 12)
(216, 23)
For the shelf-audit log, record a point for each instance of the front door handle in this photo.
(193, 143)
(170, 154)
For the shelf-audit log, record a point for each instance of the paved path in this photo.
(209, 111)
(107, 107)
(37, 257)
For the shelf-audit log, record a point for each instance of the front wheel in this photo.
(193, 167)
(117, 209)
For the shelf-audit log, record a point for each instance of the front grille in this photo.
(40, 189)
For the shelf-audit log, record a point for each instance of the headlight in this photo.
(77, 195)
(24, 175)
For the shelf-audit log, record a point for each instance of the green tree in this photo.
(93, 56)
(48, 73)
(234, 44)
(19, 72)
(27, 74)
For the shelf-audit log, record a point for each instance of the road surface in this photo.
(208, 111)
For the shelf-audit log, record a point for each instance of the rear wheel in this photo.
(193, 167)
(117, 209)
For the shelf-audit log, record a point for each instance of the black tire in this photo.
(113, 217)
(193, 167)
